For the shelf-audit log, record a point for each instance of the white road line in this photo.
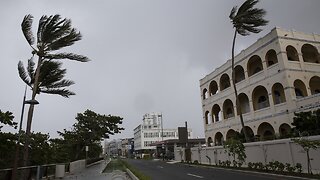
(160, 167)
(195, 175)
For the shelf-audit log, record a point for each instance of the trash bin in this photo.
(60, 170)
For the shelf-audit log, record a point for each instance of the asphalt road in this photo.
(159, 170)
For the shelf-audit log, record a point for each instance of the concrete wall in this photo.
(77, 166)
(283, 150)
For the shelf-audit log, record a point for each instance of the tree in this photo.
(306, 146)
(245, 20)
(89, 130)
(307, 123)
(235, 148)
(6, 118)
(46, 76)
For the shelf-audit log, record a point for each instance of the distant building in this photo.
(151, 131)
(113, 148)
(127, 147)
(275, 77)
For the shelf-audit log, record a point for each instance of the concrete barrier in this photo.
(77, 166)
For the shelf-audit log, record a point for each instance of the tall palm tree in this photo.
(245, 20)
(46, 76)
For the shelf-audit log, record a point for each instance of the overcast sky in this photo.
(147, 56)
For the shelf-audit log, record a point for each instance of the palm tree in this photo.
(54, 33)
(245, 20)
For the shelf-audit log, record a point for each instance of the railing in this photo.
(32, 172)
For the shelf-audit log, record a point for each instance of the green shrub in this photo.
(290, 168)
(299, 167)
(196, 162)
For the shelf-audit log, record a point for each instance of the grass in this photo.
(135, 171)
(114, 164)
(118, 164)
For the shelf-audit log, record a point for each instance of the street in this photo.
(159, 170)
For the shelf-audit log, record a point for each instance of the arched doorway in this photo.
(218, 139)
(284, 130)
(231, 134)
(266, 131)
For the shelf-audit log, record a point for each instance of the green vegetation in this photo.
(306, 123)
(135, 171)
(89, 129)
(114, 164)
(236, 149)
(307, 145)
(47, 76)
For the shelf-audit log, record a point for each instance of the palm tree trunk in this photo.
(238, 107)
(30, 114)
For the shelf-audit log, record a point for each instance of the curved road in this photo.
(159, 170)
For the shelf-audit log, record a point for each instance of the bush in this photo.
(289, 168)
(196, 162)
(299, 167)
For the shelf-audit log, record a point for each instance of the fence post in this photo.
(38, 173)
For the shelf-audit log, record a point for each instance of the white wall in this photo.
(283, 150)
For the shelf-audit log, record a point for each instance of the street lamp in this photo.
(16, 157)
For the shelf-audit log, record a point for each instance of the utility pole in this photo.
(161, 127)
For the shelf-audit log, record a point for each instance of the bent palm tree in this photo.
(245, 20)
(47, 76)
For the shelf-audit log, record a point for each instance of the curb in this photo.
(132, 176)
(254, 172)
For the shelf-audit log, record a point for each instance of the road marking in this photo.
(189, 174)
(160, 167)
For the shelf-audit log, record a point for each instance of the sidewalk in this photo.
(94, 172)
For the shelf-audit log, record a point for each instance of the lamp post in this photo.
(16, 157)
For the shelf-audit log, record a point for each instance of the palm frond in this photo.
(26, 26)
(41, 27)
(30, 69)
(248, 19)
(69, 56)
(233, 12)
(50, 73)
(61, 84)
(67, 40)
(62, 92)
(23, 74)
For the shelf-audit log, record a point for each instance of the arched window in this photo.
(266, 131)
(216, 113)
(239, 73)
(271, 57)
(205, 94)
(278, 93)
(213, 88)
(310, 53)
(254, 65)
(228, 109)
(300, 89)
(260, 98)
(292, 53)
(315, 85)
(224, 82)
(244, 103)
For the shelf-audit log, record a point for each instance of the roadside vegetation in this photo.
(122, 165)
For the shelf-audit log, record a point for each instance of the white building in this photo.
(275, 77)
(151, 130)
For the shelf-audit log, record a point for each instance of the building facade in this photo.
(152, 131)
(275, 77)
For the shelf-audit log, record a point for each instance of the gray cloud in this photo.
(147, 55)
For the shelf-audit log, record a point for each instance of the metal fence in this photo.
(32, 172)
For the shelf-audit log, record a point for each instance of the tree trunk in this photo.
(30, 114)
(238, 107)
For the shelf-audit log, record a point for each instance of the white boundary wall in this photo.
(77, 166)
(283, 150)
